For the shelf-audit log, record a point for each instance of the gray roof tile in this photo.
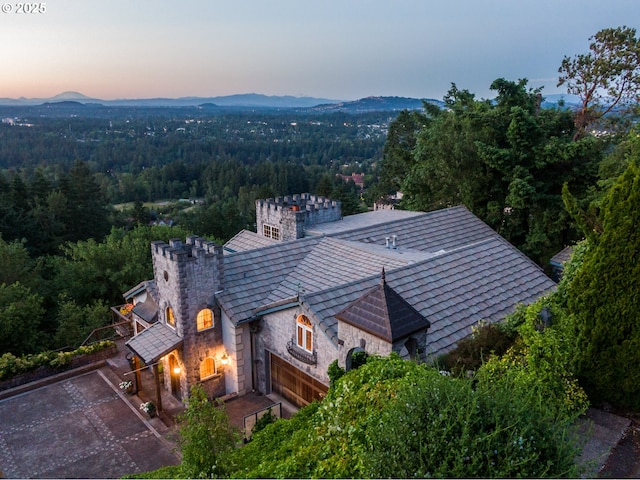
(448, 265)
(154, 342)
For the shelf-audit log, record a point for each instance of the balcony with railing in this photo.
(122, 321)
(300, 354)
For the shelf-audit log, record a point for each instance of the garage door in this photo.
(294, 385)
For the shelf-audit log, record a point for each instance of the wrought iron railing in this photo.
(251, 419)
(299, 354)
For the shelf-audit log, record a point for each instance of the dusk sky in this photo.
(343, 49)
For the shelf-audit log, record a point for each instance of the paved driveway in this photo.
(82, 427)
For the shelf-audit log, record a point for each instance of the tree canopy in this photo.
(607, 78)
(506, 160)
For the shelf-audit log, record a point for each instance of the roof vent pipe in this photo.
(393, 241)
(386, 241)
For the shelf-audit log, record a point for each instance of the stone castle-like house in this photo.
(270, 310)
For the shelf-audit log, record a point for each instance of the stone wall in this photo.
(187, 277)
(275, 331)
(46, 371)
(292, 213)
(353, 337)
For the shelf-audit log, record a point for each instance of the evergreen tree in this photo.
(603, 300)
(506, 161)
(86, 214)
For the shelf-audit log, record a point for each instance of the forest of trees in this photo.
(70, 245)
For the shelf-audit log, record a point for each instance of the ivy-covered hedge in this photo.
(393, 418)
(10, 365)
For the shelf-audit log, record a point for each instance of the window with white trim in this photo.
(305, 333)
(270, 231)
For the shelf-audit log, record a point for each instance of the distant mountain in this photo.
(555, 99)
(376, 104)
(242, 100)
(65, 104)
(72, 96)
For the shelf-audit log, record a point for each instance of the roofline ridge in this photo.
(275, 245)
(401, 220)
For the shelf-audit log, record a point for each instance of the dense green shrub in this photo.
(539, 363)
(397, 418)
(263, 421)
(335, 372)
(10, 365)
(486, 340)
(269, 454)
(206, 437)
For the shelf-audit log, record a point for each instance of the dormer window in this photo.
(305, 333)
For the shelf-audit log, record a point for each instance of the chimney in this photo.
(386, 239)
(393, 241)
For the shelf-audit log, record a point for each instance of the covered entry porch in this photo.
(155, 346)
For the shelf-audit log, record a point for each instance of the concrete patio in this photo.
(85, 427)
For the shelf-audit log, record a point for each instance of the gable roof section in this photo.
(383, 313)
(455, 290)
(154, 342)
(147, 310)
(148, 285)
(562, 257)
(428, 232)
(245, 240)
(449, 266)
(251, 275)
(335, 262)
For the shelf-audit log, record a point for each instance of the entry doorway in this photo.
(175, 377)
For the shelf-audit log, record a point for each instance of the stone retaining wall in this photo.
(44, 372)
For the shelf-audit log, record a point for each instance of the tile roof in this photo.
(429, 232)
(360, 220)
(451, 267)
(563, 256)
(482, 281)
(154, 342)
(250, 276)
(147, 310)
(383, 313)
(246, 240)
(334, 262)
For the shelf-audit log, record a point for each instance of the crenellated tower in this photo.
(285, 218)
(187, 276)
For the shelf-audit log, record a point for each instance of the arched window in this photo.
(207, 368)
(171, 320)
(204, 319)
(305, 333)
